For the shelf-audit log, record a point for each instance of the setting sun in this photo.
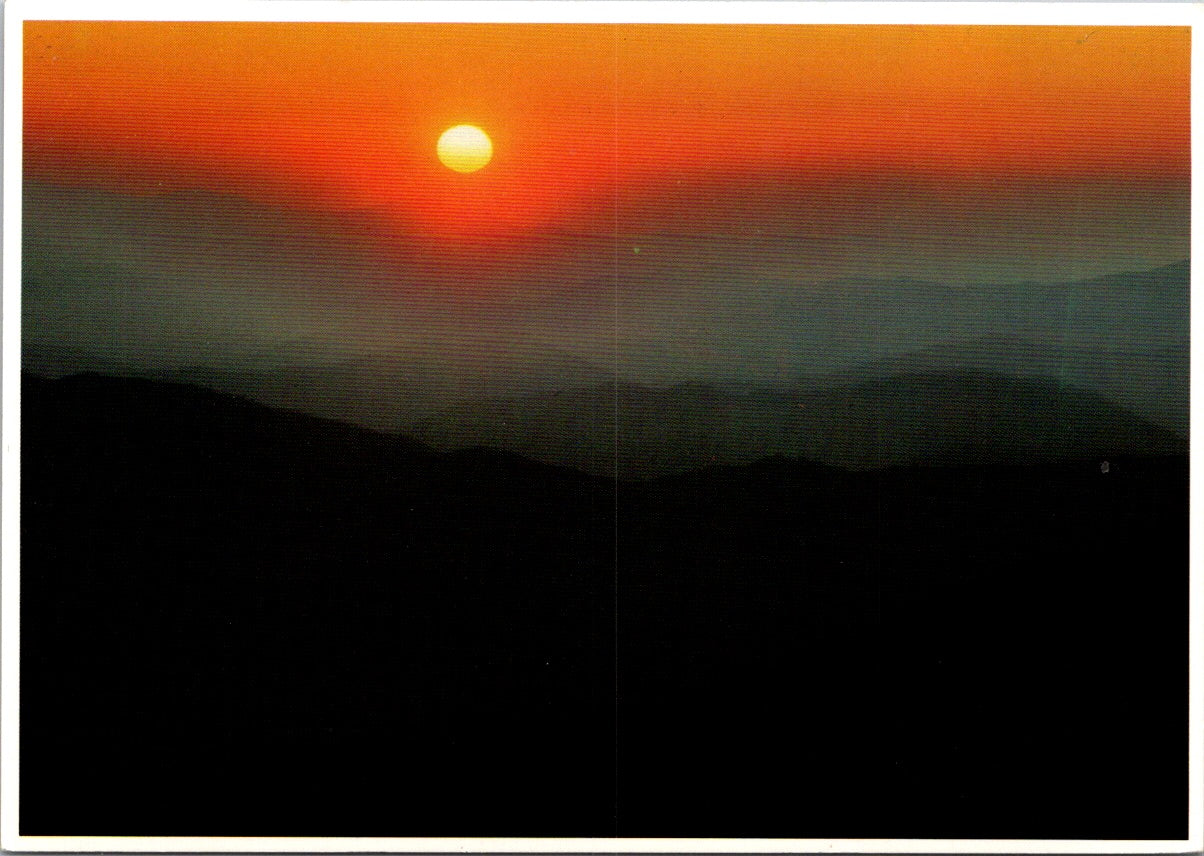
(465, 148)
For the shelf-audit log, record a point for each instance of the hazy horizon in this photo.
(185, 283)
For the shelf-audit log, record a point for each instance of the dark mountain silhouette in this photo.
(267, 609)
(1171, 279)
(244, 621)
(934, 418)
(1150, 383)
(383, 390)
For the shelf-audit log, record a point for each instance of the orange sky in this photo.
(347, 115)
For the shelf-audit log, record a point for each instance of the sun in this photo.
(465, 148)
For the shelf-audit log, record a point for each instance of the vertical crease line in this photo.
(615, 410)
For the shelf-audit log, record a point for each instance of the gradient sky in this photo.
(679, 201)
(347, 115)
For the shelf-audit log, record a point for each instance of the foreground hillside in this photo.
(243, 621)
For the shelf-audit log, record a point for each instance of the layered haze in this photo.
(341, 317)
(259, 208)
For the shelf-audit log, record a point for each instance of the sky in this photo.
(345, 116)
(682, 201)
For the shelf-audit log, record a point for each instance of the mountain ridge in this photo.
(930, 417)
